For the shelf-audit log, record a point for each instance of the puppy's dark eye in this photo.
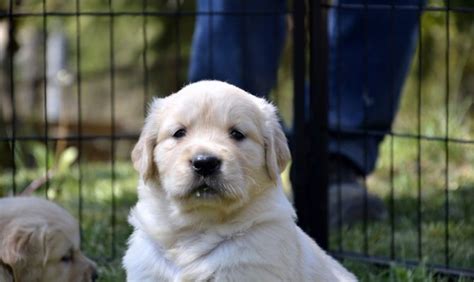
(67, 258)
(180, 133)
(236, 135)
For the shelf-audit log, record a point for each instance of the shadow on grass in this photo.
(428, 242)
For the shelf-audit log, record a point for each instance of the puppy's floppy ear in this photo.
(277, 153)
(21, 241)
(142, 154)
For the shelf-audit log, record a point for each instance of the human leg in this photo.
(371, 50)
(239, 41)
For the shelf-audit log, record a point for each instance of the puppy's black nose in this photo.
(205, 165)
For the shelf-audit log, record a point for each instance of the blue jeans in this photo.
(370, 53)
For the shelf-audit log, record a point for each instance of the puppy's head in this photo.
(211, 145)
(40, 242)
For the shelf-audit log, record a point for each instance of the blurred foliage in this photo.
(164, 37)
(44, 167)
(154, 25)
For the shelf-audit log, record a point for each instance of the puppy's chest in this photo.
(196, 250)
(198, 259)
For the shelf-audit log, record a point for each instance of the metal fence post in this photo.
(299, 175)
(318, 125)
(309, 146)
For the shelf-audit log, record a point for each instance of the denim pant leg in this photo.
(370, 54)
(239, 41)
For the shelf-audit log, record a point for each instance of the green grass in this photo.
(370, 273)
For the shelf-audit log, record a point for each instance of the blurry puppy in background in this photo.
(39, 241)
(211, 205)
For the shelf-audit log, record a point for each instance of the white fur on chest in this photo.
(193, 255)
(261, 244)
(203, 260)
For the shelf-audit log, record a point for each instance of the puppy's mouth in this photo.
(206, 188)
(204, 191)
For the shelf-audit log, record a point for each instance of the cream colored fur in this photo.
(245, 233)
(35, 234)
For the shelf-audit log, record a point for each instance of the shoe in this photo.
(348, 196)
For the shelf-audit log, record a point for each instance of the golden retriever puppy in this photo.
(211, 205)
(39, 241)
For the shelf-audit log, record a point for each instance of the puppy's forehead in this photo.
(65, 226)
(226, 105)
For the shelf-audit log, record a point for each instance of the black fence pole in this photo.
(11, 49)
(309, 144)
(318, 125)
(299, 144)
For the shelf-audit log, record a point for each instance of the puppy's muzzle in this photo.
(206, 164)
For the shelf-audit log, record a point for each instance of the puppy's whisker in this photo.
(233, 190)
(229, 187)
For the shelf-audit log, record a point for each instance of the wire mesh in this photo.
(440, 260)
(157, 66)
